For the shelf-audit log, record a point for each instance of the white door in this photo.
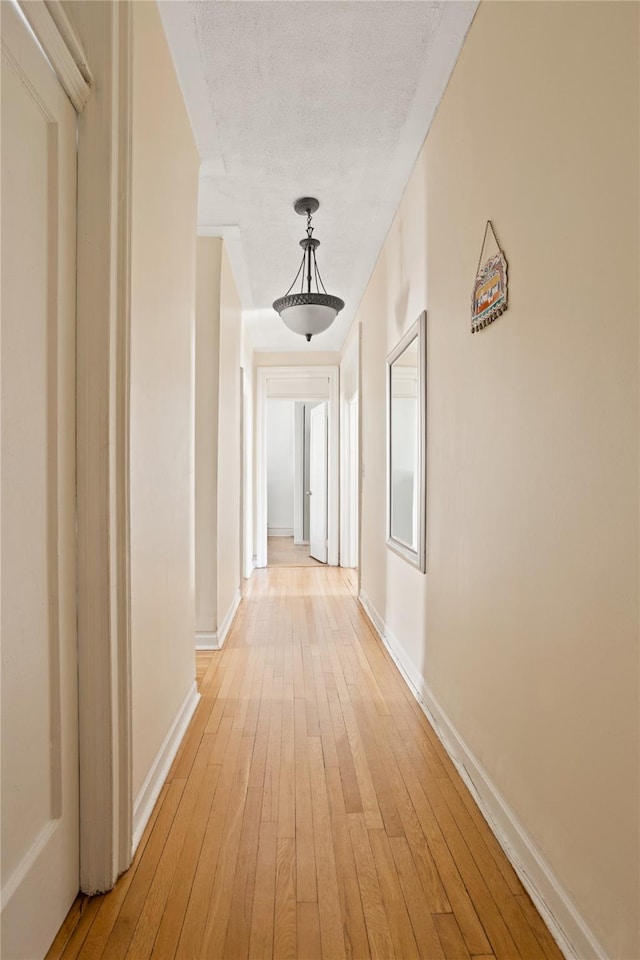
(40, 824)
(353, 482)
(318, 483)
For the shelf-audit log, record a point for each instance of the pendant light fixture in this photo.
(308, 312)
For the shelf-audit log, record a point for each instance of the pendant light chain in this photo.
(308, 251)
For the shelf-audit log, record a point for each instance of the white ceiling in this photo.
(323, 98)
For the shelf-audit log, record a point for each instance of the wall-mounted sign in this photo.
(489, 298)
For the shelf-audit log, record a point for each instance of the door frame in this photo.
(352, 498)
(298, 472)
(290, 375)
(313, 476)
(103, 330)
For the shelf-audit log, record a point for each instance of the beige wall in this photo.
(349, 387)
(525, 626)
(165, 185)
(229, 444)
(209, 261)
(324, 358)
(248, 485)
(220, 479)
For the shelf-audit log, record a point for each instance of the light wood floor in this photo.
(283, 552)
(311, 811)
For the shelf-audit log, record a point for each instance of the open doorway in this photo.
(297, 466)
(296, 440)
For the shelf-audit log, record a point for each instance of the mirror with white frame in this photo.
(406, 445)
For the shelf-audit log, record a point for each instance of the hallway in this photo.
(283, 552)
(310, 812)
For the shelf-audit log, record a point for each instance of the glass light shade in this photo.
(308, 313)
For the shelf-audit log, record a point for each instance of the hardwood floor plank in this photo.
(111, 903)
(127, 919)
(424, 929)
(509, 907)
(184, 759)
(285, 915)
(68, 927)
(287, 785)
(326, 726)
(305, 849)
(217, 712)
(450, 937)
(146, 929)
(215, 929)
(192, 931)
(308, 932)
(271, 791)
(447, 866)
(241, 909)
(485, 896)
(374, 913)
(470, 819)
(261, 746)
(175, 908)
(261, 940)
(404, 941)
(355, 931)
(435, 895)
(379, 773)
(84, 922)
(551, 949)
(327, 881)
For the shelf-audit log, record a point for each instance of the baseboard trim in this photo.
(213, 639)
(562, 917)
(146, 799)
(225, 626)
(207, 640)
(279, 531)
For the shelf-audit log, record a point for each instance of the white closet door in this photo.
(318, 483)
(40, 826)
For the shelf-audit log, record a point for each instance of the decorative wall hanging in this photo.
(489, 298)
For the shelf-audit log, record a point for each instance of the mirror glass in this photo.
(406, 493)
(404, 446)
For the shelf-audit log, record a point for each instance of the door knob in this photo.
(308, 493)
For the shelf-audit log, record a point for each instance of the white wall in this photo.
(164, 202)
(524, 629)
(280, 467)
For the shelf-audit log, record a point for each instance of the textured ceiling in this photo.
(308, 98)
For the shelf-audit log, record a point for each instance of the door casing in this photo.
(299, 383)
(318, 483)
